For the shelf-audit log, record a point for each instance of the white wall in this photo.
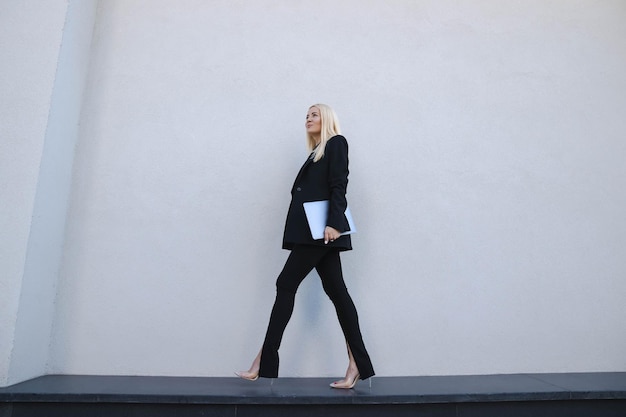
(44, 59)
(26, 81)
(487, 182)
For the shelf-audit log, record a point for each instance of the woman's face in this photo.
(313, 121)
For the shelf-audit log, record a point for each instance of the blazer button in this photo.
(298, 189)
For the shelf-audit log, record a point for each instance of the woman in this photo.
(324, 176)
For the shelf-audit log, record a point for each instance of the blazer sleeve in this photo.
(337, 153)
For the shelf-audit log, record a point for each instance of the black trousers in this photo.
(302, 259)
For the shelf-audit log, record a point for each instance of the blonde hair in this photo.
(330, 128)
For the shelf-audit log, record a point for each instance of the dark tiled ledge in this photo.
(310, 391)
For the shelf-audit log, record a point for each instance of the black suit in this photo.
(326, 179)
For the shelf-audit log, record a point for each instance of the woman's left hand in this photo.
(330, 234)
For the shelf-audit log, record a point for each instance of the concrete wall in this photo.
(44, 56)
(487, 183)
(25, 87)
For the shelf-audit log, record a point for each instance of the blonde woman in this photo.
(324, 176)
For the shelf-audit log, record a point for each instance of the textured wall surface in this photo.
(45, 56)
(26, 84)
(487, 183)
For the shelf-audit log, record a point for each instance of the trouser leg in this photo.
(300, 262)
(329, 270)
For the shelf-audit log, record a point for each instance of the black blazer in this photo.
(326, 179)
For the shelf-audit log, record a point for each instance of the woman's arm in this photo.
(337, 153)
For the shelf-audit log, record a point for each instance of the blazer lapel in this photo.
(308, 161)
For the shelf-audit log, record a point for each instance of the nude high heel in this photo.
(351, 385)
(250, 377)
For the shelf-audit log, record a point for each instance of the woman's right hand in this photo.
(330, 234)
